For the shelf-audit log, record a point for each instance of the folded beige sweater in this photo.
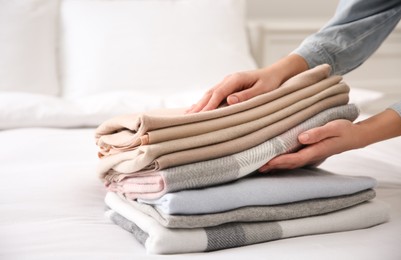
(199, 148)
(127, 132)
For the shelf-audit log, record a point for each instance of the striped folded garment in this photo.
(254, 225)
(151, 185)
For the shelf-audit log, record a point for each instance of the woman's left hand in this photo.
(336, 137)
(321, 142)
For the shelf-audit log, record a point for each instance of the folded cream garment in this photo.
(195, 149)
(267, 113)
(128, 131)
(152, 185)
(145, 154)
(290, 103)
(161, 240)
(254, 213)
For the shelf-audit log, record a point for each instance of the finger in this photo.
(205, 100)
(288, 161)
(213, 97)
(318, 134)
(265, 168)
(188, 110)
(270, 171)
(216, 99)
(306, 156)
(245, 94)
(231, 84)
(280, 162)
(201, 103)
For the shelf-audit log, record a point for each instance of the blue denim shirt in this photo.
(356, 31)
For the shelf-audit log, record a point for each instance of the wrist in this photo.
(382, 126)
(287, 67)
(360, 135)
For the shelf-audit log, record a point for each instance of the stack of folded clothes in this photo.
(186, 183)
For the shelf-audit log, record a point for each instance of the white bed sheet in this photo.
(51, 205)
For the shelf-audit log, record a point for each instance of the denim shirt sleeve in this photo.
(354, 33)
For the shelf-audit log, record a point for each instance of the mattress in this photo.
(52, 205)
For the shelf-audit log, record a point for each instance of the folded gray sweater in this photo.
(161, 240)
(262, 189)
(254, 213)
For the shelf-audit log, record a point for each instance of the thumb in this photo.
(317, 134)
(244, 95)
(233, 99)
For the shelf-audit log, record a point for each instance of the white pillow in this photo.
(35, 110)
(19, 110)
(159, 46)
(28, 46)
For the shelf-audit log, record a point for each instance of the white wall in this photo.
(278, 26)
(290, 9)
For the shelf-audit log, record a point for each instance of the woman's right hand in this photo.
(242, 86)
(235, 88)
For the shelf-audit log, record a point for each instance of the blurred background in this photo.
(69, 63)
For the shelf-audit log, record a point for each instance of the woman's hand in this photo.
(336, 137)
(321, 142)
(235, 88)
(242, 86)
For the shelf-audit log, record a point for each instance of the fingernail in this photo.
(304, 137)
(232, 99)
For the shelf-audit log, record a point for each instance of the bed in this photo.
(52, 205)
(51, 200)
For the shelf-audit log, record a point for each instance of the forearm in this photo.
(382, 126)
(397, 107)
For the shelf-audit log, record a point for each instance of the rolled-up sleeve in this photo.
(352, 35)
